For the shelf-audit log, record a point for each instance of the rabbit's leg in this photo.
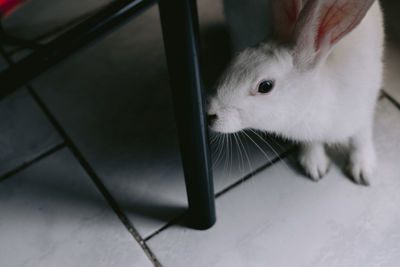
(362, 161)
(314, 160)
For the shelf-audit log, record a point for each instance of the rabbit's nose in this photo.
(211, 118)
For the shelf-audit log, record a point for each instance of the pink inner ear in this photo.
(339, 19)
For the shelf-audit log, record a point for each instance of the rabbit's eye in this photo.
(265, 86)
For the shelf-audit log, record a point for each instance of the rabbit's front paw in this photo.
(361, 167)
(314, 160)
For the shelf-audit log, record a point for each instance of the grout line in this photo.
(166, 226)
(227, 189)
(391, 99)
(87, 167)
(92, 174)
(28, 163)
(282, 156)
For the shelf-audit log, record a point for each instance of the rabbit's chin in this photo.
(226, 128)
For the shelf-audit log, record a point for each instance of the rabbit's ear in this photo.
(322, 24)
(285, 14)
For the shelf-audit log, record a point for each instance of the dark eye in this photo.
(265, 86)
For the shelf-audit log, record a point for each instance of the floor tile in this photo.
(114, 102)
(279, 218)
(25, 132)
(53, 215)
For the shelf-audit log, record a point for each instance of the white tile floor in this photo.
(280, 219)
(113, 102)
(52, 215)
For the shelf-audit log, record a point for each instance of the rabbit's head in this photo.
(267, 87)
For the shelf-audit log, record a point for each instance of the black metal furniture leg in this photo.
(180, 32)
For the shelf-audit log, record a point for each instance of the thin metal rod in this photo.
(179, 21)
(107, 19)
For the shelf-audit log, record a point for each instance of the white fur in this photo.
(333, 103)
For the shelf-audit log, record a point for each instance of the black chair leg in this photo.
(180, 32)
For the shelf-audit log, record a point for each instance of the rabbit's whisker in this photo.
(262, 151)
(241, 162)
(217, 150)
(269, 145)
(245, 152)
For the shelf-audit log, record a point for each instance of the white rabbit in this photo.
(317, 82)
